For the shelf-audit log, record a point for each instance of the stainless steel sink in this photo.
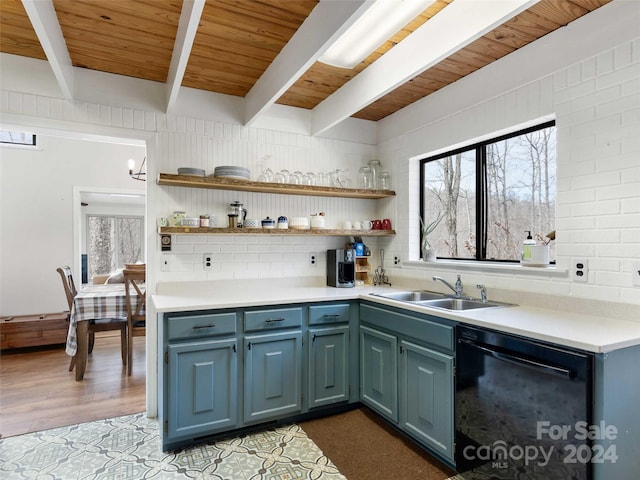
(411, 296)
(461, 304)
(440, 300)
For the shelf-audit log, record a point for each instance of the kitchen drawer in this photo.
(259, 320)
(441, 335)
(332, 313)
(200, 326)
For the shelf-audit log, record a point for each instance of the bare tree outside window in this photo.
(492, 193)
(449, 189)
(113, 241)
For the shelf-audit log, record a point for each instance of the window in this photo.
(490, 194)
(113, 241)
(17, 138)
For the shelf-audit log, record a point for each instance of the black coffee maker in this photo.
(341, 268)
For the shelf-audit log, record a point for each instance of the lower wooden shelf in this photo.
(276, 231)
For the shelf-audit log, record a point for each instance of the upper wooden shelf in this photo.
(278, 231)
(263, 187)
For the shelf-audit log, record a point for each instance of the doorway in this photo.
(47, 232)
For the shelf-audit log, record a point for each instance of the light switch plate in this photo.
(635, 274)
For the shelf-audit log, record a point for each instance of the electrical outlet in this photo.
(635, 274)
(207, 262)
(313, 259)
(165, 263)
(580, 270)
(396, 260)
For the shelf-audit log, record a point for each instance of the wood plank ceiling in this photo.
(237, 40)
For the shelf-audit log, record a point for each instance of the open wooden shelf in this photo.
(264, 187)
(277, 231)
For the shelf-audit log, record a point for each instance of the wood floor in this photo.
(37, 391)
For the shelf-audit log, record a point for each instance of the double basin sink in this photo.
(440, 300)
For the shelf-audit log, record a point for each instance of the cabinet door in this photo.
(328, 366)
(202, 387)
(272, 372)
(378, 372)
(426, 396)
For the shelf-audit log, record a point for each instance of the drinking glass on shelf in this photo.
(296, 178)
(309, 179)
(333, 178)
(266, 176)
(321, 179)
(343, 175)
(285, 175)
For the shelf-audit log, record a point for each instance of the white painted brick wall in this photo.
(596, 103)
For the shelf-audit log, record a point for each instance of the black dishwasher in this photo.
(522, 408)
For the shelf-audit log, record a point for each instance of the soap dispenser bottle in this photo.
(526, 248)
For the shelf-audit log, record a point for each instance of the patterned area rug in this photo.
(129, 448)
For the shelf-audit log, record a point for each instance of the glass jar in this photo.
(365, 178)
(376, 167)
(384, 181)
(178, 215)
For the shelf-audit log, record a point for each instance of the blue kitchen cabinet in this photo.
(203, 387)
(328, 372)
(198, 378)
(272, 375)
(407, 362)
(426, 396)
(379, 372)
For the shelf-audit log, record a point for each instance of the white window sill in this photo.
(462, 265)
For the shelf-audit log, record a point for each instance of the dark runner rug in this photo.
(364, 447)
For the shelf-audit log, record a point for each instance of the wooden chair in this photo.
(98, 325)
(136, 317)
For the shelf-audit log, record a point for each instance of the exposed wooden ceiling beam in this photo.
(187, 28)
(43, 17)
(454, 27)
(327, 21)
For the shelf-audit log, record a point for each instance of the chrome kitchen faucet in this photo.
(457, 289)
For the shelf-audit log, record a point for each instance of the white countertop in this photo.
(587, 332)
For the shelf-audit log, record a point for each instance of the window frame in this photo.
(12, 144)
(480, 185)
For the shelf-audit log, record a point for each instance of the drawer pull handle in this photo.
(271, 320)
(331, 315)
(198, 327)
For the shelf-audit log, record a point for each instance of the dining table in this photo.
(93, 302)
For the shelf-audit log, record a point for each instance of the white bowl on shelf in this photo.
(252, 223)
(318, 221)
(299, 223)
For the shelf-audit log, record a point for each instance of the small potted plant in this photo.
(428, 253)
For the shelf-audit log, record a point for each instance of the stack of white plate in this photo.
(228, 171)
(199, 172)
